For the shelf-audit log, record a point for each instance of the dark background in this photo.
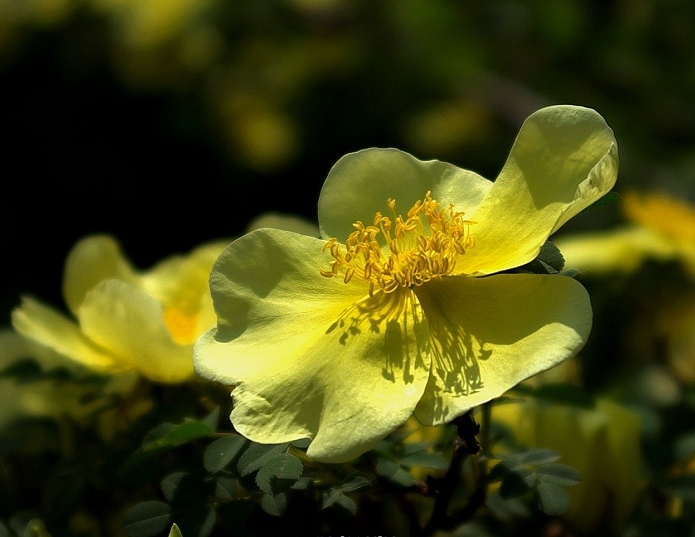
(109, 129)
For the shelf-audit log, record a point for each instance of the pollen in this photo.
(397, 251)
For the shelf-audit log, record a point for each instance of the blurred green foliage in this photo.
(168, 123)
(171, 122)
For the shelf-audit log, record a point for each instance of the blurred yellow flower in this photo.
(44, 397)
(125, 319)
(658, 227)
(603, 444)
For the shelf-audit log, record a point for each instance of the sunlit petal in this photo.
(93, 259)
(310, 356)
(488, 334)
(48, 327)
(359, 184)
(564, 158)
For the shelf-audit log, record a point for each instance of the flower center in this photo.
(398, 252)
(181, 325)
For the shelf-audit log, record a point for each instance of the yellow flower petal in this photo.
(489, 334)
(360, 183)
(180, 284)
(619, 250)
(564, 158)
(310, 357)
(130, 324)
(93, 259)
(52, 329)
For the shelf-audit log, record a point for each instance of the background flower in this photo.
(126, 319)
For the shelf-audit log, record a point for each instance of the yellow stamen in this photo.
(423, 246)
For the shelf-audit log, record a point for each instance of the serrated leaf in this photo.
(552, 500)
(274, 505)
(256, 455)
(394, 473)
(175, 531)
(425, 460)
(222, 451)
(356, 483)
(147, 518)
(560, 475)
(336, 497)
(279, 473)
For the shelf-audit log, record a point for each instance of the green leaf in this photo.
(36, 528)
(336, 497)
(551, 256)
(302, 443)
(180, 434)
(222, 452)
(425, 460)
(279, 473)
(147, 518)
(25, 369)
(538, 456)
(158, 432)
(607, 199)
(274, 505)
(175, 531)
(171, 483)
(256, 455)
(515, 483)
(303, 483)
(213, 419)
(196, 521)
(560, 475)
(394, 473)
(356, 483)
(552, 500)
(225, 487)
(162, 438)
(183, 488)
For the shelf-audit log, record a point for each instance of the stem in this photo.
(466, 444)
